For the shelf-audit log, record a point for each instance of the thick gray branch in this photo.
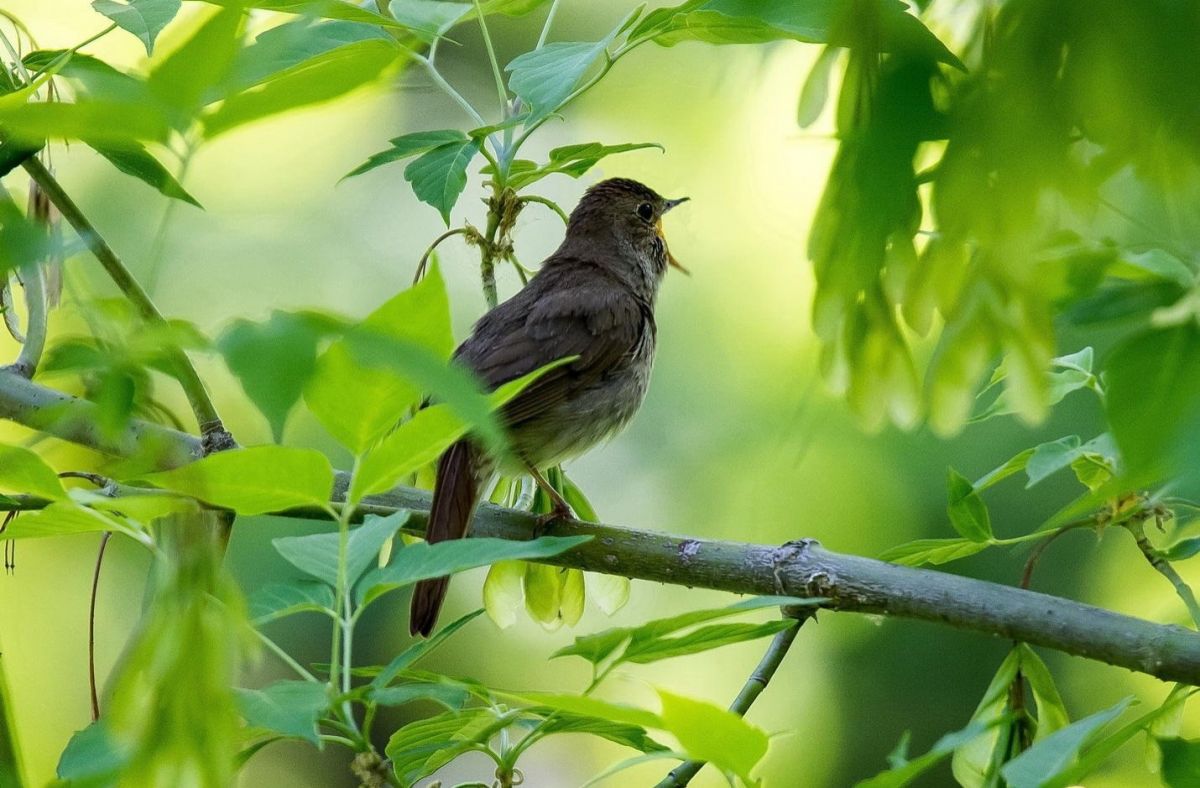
(801, 568)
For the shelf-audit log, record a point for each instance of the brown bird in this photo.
(592, 299)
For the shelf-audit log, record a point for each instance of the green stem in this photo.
(546, 27)
(487, 251)
(1163, 567)
(441, 82)
(551, 204)
(487, 42)
(682, 774)
(285, 657)
(211, 428)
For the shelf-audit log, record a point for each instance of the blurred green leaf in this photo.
(274, 359)
(66, 519)
(968, 513)
(254, 480)
(90, 76)
(323, 9)
(321, 78)
(1153, 402)
(409, 145)
(145, 509)
(588, 706)
(182, 81)
(359, 403)
(420, 748)
(23, 471)
(290, 708)
(23, 242)
(428, 20)
(1158, 263)
(92, 757)
(291, 46)
(511, 7)
(1040, 764)
(133, 159)
(1180, 762)
(710, 733)
(423, 561)
(439, 176)
(144, 18)
(1183, 549)
(932, 551)
(279, 600)
(317, 554)
(815, 92)
(420, 648)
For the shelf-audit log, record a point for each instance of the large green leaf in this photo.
(415, 443)
(67, 519)
(254, 480)
(546, 77)
(358, 403)
(184, 80)
(409, 145)
(103, 122)
(290, 47)
(274, 359)
(423, 561)
(710, 733)
(278, 600)
(1153, 401)
(22, 471)
(133, 159)
(317, 554)
(144, 18)
(93, 756)
(439, 176)
(1180, 762)
(322, 78)
(428, 20)
(289, 708)
(905, 770)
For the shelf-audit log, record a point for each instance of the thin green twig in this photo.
(546, 27)
(1136, 527)
(491, 51)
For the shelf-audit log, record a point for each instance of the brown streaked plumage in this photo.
(593, 298)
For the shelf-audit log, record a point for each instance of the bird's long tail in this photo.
(454, 499)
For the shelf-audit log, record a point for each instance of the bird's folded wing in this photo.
(600, 324)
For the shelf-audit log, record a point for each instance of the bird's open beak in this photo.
(667, 206)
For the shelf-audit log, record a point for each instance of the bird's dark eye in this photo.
(646, 211)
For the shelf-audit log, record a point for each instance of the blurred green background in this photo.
(737, 439)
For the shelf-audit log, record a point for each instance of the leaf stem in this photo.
(92, 626)
(551, 204)
(441, 82)
(287, 658)
(1137, 528)
(212, 430)
(491, 51)
(682, 774)
(546, 27)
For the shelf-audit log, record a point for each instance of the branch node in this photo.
(214, 437)
(784, 554)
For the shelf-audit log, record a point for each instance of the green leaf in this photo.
(975, 761)
(1183, 549)
(317, 554)
(22, 471)
(635, 736)
(278, 600)
(322, 78)
(274, 359)
(133, 159)
(92, 754)
(543, 586)
(144, 18)
(1050, 457)
(145, 509)
(439, 176)
(575, 160)
(429, 20)
(324, 9)
(546, 77)
(1057, 752)
(64, 518)
(1158, 263)
(1153, 401)
(183, 80)
(1180, 762)
(420, 748)
(452, 696)
(968, 513)
(359, 403)
(1051, 712)
(932, 551)
(710, 733)
(254, 480)
(413, 444)
(815, 92)
(292, 47)
(702, 639)
(904, 771)
(290, 708)
(588, 706)
(422, 561)
(409, 145)
(420, 648)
